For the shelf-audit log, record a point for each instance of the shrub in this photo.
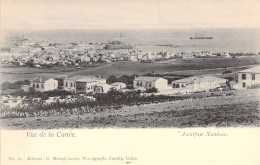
(16, 85)
(57, 92)
(151, 90)
(129, 87)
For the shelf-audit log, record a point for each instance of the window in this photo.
(37, 85)
(244, 85)
(66, 84)
(146, 84)
(243, 76)
(74, 84)
(42, 86)
(33, 85)
(253, 76)
(81, 88)
(71, 85)
(173, 85)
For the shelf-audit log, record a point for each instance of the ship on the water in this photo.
(117, 45)
(201, 37)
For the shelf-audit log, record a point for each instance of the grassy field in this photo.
(238, 110)
(177, 66)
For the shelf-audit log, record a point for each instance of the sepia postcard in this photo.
(114, 82)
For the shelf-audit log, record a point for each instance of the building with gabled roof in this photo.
(249, 78)
(43, 84)
(150, 82)
(198, 83)
(60, 80)
(81, 83)
(86, 84)
(70, 83)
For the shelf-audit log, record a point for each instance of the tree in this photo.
(131, 79)
(124, 79)
(16, 85)
(31, 90)
(229, 79)
(111, 79)
(5, 85)
(29, 63)
(128, 80)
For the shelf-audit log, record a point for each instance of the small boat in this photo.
(117, 45)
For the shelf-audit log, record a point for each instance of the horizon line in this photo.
(128, 28)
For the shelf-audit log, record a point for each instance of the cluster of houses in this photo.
(249, 78)
(39, 54)
(149, 56)
(24, 52)
(78, 84)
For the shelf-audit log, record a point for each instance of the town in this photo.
(80, 93)
(47, 54)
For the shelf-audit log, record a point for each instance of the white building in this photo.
(133, 57)
(197, 83)
(87, 84)
(101, 88)
(208, 53)
(187, 55)
(25, 88)
(118, 85)
(139, 55)
(70, 83)
(249, 78)
(225, 54)
(150, 82)
(81, 84)
(148, 55)
(44, 84)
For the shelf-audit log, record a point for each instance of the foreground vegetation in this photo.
(112, 99)
(229, 111)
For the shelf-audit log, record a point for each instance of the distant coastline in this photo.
(234, 39)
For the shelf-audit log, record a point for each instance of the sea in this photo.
(234, 40)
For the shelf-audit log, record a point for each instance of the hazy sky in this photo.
(73, 14)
